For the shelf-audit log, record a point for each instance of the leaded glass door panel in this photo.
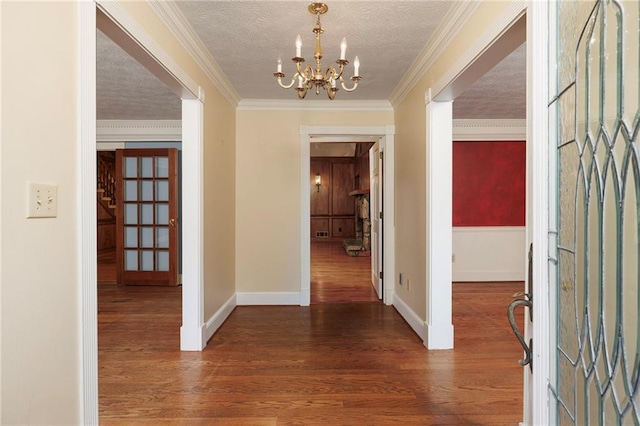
(147, 232)
(595, 118)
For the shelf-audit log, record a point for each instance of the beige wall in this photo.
(40, 284)
(411, 160)
(219, 167)
(410, 201)
(268, 193)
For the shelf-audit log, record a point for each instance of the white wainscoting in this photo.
(491, 253)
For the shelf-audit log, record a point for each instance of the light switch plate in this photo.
(42, 200)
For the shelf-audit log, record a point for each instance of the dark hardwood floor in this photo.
(348, 363)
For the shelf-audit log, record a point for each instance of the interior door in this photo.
(595, 95)
(375, 196)
(146, 218)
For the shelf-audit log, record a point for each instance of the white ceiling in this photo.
(246, 37)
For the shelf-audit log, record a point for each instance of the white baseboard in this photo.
(305, 297)
(269, 298)
(389, 295)
(503, 275)
(439, 336)
(213, 324)
(414, 321)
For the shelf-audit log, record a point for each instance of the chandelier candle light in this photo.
(310, 76)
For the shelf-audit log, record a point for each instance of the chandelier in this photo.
(311, 77)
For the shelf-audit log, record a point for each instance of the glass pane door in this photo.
(147, 216)
(595, 118)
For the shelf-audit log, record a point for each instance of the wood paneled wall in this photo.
(332, 208)
(362, 173)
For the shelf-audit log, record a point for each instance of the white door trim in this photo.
(386, 135)
(507, 29)
(86, 228)
(439, 166)
(192, 332)
(86, 211)
(536, 397)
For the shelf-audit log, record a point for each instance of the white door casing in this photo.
(506, 29)
(536, 407)
(335, 134)
(375, 196)
(115, 22)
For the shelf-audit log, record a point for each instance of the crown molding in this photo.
(489, 130)
(297, 104)
(494, 34)
(138, 130)
(174, 19)
(446, 30)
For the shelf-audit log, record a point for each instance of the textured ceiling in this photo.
(246, 37)
(500, 93)
(127, 91)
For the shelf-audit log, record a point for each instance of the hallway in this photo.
(327, 364)
(337, 277)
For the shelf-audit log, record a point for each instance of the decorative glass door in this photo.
(146, 216)
(595, 119)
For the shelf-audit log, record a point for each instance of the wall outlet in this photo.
(42, 200)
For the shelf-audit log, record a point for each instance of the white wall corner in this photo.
(213, 324)
(267, 298)
(416, 323)
(489, 130)
(139, 130)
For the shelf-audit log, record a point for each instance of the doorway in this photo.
(344, 245)
(516, 24)
(317, 134)
(111, 19)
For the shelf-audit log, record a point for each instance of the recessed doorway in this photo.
(344, 250)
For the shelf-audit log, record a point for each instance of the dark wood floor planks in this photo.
(327, 364)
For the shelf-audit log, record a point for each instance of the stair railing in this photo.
(106, 182)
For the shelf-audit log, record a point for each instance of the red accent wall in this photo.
(489, 183)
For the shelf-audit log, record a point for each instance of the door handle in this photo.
(172, 222)
(528, 349)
